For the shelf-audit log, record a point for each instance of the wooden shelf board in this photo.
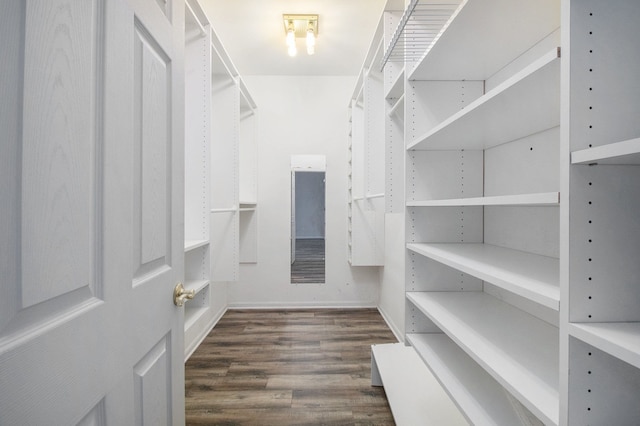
(619, 339)
(479, 396)
(622, 153)
(414, 395)
(517, 349)
(194, 244)
(486, 36)
(525, 104)
(539, 199)
(529, 275)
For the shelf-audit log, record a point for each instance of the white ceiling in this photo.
(252, 32)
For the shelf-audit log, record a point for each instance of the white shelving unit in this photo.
(220, 120)
(522, 187)
(480, 116)
(248, 169)
(197, 247)
(234, 170)
(602, 186)
(366, 197)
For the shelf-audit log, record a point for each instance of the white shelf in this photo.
(529, 275)
(195, 285)
(485, 36)
(194, 244)
(619, 339)
(517, 349)
(414, 395)
(482, 400)
(622, 153)
(539, 199)
(225, 210)
(527, 103)
(397, 88)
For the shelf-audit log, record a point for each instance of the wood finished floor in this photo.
(309, 264)
(288, 367)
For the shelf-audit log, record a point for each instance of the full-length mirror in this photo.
(308, 219)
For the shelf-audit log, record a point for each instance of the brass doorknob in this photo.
(180, 295)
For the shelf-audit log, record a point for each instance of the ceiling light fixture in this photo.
(300, 26)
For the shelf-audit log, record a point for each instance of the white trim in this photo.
(303, 305)
(205, 332)
(395, 330)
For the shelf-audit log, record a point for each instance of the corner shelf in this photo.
(528, 275)
(491, 332)
(479, 396)
(524, 104)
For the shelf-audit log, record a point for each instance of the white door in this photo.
(91, 161)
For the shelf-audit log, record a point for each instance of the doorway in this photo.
(308, 221)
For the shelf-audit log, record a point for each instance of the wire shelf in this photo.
(419, 28)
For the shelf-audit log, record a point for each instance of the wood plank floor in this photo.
(309, 264)
(288, 367)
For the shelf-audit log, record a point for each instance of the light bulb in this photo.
(291, 37)
(292, 50)
(311, 40)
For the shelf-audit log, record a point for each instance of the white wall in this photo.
(301, 115)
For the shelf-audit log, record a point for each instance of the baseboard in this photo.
(396, 332)
(203, 335)
(303, 305)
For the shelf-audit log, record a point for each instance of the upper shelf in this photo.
(529, 275)
(519, 350)
(486, 36)
(526, 103)
(625, 152)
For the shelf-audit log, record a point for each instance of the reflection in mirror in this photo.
(307, 219)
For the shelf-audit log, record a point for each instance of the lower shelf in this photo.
(482, 400)
(191, 315)
(519, 350)
(413, 393)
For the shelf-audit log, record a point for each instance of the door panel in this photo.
(152, 385)
(58, 177)
(93, 110)
(151, 148)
